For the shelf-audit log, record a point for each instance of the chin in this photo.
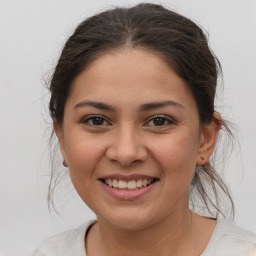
(131, 221)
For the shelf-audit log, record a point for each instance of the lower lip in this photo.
(128, 194)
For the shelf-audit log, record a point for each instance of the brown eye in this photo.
(159, 121)
(96, 121)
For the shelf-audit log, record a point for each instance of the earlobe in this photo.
(208, 139)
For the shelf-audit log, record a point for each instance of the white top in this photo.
(226, 240)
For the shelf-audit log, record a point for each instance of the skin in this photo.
(127, 140)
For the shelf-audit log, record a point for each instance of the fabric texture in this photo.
(226, 240)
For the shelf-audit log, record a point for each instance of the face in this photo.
(132, 138)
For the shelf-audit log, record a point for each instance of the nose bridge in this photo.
(127, 146)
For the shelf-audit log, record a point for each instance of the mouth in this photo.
(131, 185)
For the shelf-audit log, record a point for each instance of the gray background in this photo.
(32, 33)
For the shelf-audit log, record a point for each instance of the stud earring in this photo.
(65, 163)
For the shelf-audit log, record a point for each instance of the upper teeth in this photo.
(132, 184)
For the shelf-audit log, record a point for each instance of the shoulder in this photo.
(229, 239)
(67, 243)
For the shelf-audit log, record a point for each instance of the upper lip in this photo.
(127, 177)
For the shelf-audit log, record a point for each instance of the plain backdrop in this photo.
(32, 33)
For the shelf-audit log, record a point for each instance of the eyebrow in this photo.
(155, 105)
(142, 108)
(95, 104)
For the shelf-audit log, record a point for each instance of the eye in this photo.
(160, 121)
(96, 121)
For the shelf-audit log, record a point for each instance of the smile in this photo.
(128, 185)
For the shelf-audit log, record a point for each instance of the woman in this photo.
(132, 102)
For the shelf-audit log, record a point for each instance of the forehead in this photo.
(130, 76)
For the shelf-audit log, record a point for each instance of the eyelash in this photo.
(163, 118)
(89, 120)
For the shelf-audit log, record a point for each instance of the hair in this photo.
(178, 41)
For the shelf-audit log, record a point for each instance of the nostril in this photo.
(125, 156)
(126, 146)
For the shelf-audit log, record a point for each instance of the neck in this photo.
(166, 237)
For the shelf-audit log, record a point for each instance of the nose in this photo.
(127, 147)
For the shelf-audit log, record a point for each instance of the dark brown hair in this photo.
(178, 40)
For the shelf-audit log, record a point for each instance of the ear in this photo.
(59, 134)
(208, 138)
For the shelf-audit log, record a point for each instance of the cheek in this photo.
(83, 154)
(177, 155)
